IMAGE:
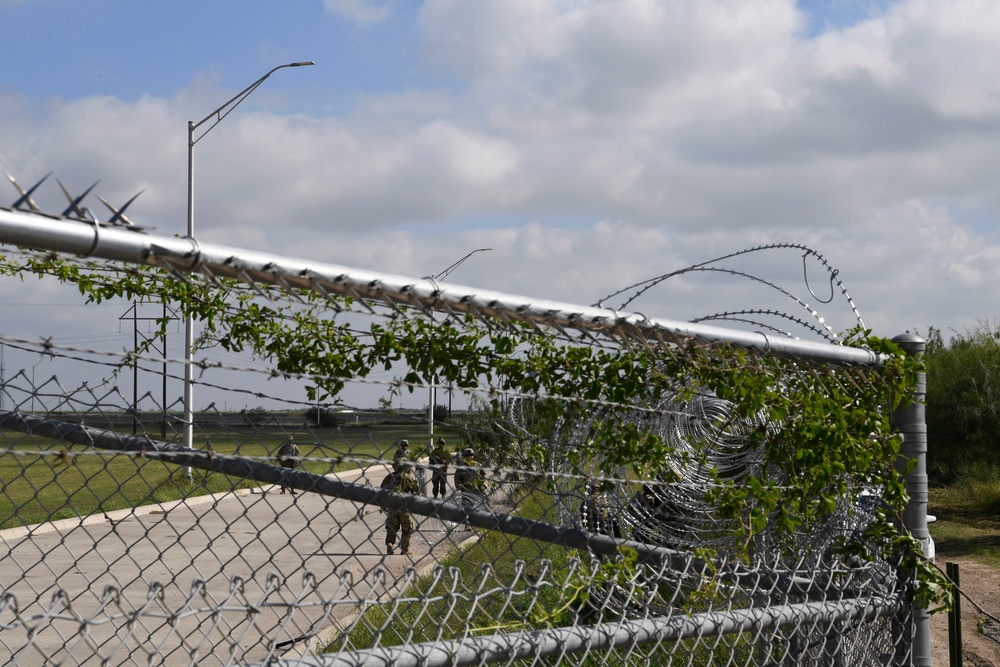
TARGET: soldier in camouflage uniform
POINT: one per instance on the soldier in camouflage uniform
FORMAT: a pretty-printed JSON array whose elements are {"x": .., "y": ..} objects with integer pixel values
[
  {"x": 288, "y": 458},
  {"x": 467, "y": 478},
  {"x": 403, "y": 452},
  {"x": 399, "y": 521},
  {"x": 439, "y": 468}
]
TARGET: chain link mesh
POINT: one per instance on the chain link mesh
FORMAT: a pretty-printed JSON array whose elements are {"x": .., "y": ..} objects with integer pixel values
[{"x": 123, "y": 547}]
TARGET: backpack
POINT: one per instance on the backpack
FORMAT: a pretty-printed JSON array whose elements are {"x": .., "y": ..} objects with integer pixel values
[
  {"x": 286, "y": 452},
  {"x": 391, "y": 481},
  {"x": 407, "y": 483}
]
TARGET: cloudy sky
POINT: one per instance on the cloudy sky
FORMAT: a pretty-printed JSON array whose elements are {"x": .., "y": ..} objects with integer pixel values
[{"x": 590, "y": 143}]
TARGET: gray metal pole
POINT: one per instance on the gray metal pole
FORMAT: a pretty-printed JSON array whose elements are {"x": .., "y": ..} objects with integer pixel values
[
  {"x": 70, "y": 236},
  {"x": 430, "y": 415},
  {"x": 163, "y": 404},
  {"x": 135, "y": 367},
  {"x": 188, "y": 319},
  {"x": 910, "y": 421}
]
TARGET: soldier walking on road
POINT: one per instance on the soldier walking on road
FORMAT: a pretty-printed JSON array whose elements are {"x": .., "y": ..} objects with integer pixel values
[
  {"x": 288, "y": 457},
  {"x": 397, "y": 520},
  {"x": 439, "y": 469}
]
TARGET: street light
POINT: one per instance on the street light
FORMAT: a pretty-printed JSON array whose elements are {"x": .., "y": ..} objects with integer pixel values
[
  {"x": 432, "y": 389},
  {"x": 33, "y": 389},
  {"x": 219, "y": 114},
  {"x": 447, "y": 272}
]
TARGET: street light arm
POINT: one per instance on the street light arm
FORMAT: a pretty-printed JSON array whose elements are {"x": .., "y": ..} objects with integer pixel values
[
  {"x": 447, "y": 272},
  {"x": 234, "y": 102}
]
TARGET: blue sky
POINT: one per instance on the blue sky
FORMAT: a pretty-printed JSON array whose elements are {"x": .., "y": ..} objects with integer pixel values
[
  {"x": 130, "y": 49},
  {"x": 67, "y": 48},
  {"x": 590, "y": 143}
]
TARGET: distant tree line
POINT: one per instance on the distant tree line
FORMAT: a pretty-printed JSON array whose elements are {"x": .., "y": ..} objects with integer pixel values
[{"x": 963, "y": 402}]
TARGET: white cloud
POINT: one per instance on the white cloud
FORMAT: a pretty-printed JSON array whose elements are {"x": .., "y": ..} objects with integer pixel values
[
  {"x": 360, "y": 11},
  {"x": 939, "y": 53},
  {"x": 646, "y": 64},
  {"x": 594, "y": 144}
]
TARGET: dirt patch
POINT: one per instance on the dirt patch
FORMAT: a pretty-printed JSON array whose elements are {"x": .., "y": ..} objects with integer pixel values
[{"x": 982, "y": 584}]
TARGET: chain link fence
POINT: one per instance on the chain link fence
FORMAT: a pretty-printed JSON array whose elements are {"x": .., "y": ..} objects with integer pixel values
[{"x": 597, "y": 520}]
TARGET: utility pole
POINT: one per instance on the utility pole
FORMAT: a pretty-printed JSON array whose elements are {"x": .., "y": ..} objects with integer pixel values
[
  {"x": 3, "y": 372},
  {"x": 134, "y": 310},
  {"x": 163, "y": 407}
]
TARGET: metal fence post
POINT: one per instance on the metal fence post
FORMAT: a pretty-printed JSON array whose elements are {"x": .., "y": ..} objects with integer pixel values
[
  {"x": 909, "y": 420},
  {"x": 955, "y": 619}
]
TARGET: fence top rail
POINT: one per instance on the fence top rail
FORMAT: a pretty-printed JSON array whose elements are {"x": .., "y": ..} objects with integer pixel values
[{"x": 88, "y": 239}]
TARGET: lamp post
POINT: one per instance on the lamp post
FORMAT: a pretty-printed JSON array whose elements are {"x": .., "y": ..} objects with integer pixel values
[
  {"x": 33, "y": 389},
  {"x": 432, "y": 389},
  {"x": 219, "y": 114},
  {"x": 447, "y": 272}
]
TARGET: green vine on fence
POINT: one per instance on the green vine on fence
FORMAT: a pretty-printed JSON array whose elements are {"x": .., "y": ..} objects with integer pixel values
[{"x": 823, "y": 429}]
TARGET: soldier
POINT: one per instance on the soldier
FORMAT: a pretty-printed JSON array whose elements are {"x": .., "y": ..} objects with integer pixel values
[
  {"x": 403, "y": 452},
  {"x": 467, "y": 478},
  {"x": 597, "y": 514},
  {"x": 399, "y": 521},
  {"x": 288, "y": 455},
  {"x": 439, "y": 468}
]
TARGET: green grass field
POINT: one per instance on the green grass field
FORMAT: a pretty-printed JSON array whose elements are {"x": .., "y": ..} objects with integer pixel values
[
  {"x": 531, "y": 569},
  {"x": 40, "y": 487},
  {"x": 968, "y": 523}
]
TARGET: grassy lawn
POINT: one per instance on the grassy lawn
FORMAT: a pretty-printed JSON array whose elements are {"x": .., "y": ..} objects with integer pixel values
[
  {"x": 420, "y": 622},
  {"x": 530, "y": 586},
  {"x": 967, "y": 523},
  {"x": 36, "y": 488}
]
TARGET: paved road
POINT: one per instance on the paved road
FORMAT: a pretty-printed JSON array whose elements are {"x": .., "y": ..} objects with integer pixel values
[{"x": 135, "y": 575}]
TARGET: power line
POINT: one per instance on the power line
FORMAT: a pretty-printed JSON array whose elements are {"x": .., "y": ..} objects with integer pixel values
[{"x": 59, "y": 305}]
